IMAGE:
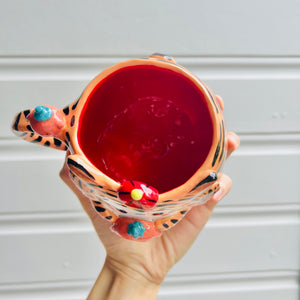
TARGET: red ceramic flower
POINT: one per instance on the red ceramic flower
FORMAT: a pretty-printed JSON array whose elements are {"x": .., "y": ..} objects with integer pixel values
[{"x": 138, "y": 194}]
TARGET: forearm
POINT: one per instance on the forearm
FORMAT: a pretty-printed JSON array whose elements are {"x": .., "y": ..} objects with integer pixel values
[{"x": 111, "y": 285}]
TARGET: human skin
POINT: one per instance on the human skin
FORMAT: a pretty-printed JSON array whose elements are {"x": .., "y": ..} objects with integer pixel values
[{"x": 135, "y": 270}]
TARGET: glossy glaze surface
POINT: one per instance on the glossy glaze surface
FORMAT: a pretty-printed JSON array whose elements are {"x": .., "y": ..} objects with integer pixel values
[{"x": 148, "y": 124}]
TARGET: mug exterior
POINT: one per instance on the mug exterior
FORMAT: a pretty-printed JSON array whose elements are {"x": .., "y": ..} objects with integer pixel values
[{"x": 60, "y": 129}]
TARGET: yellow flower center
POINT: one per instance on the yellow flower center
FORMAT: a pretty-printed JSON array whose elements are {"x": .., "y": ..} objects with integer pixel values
[{"x": 136, "y": 194}]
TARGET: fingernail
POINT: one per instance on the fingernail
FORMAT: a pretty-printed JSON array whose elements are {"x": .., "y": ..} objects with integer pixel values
[
  {"x": 218, "y": 195},
  {"x": 235, "y": 137}
]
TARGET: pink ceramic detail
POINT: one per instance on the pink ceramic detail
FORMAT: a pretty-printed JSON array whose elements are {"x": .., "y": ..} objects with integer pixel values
[{"x": 49, "y": 127}]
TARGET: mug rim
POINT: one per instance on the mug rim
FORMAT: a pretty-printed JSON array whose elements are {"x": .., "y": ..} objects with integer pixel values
[{"x": 214, "y": 110}]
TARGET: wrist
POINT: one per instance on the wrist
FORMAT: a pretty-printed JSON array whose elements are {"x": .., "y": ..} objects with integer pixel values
[{"x": 122, "y": 283}]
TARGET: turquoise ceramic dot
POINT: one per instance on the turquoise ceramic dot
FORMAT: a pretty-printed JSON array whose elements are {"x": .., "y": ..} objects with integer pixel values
[
  {"x": 136, "y": 229},
  {"x": 42, "y": 113}
]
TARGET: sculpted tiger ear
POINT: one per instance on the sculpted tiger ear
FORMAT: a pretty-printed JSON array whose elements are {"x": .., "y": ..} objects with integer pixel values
[
  {"x": 164, "y": 57},
  {"x": 42, "y": 125},
  {"x": 47, "y": 120}
]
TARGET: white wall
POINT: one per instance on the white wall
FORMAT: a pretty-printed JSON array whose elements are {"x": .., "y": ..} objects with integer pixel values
[{"x": 247, "y": 51}]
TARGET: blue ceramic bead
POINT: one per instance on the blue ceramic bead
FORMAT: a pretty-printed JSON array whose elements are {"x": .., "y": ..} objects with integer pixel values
[
  {"x": 136, "y": 229},
  {"x": 42, "y": 113}
]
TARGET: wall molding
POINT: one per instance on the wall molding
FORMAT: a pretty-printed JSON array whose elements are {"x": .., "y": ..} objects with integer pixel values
[
  {"x": 15, "y": 149},
  {"x": 200, "y": 284},
  {"x": 84, "y": 68},
  {"x": 269, "y": 144},
  {"x": 255, "y": 215},
  {"x": 45, "y": 222},
  {"x": 220, "y": 282}
]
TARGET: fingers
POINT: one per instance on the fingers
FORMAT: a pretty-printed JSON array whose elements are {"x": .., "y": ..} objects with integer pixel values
[
  {"x": 64, "y": 175},
  {"x": 85, "y": 201},
  {"x": 232, "y": 142},
  {"x": 190, "y": 226},
  {"x": 225, "y": 186},
  {"x": 232, "y": 139},
  {"x": 220, "y": 101}
]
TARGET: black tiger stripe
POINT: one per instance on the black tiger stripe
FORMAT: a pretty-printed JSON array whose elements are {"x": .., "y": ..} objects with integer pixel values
[
  {"x": 68, "y": 136},
  {"x": 165, "y": 225},
  {"x": 151, "y": 200},
  {"x": 218, "y": 148},
  {"x": 213, "y": 100},
  {"x": 183, "y": 212},
  {"x": 66, "y": 110},
  {"x": 72, "y": 121},
  {"x": 75, "y": 104},
  {"x": 124, "y": 193},
  {"x": 174, "y": 221},
  {"x": 26, "y": 112},
  {"x": 29, "y": 128},
  {"x": 37, "y": 140},
  {"x": 100, "y": 209},
  {"x": 80, "y": 167},
  {"x": 223, "y": 143},
  {"x": 112, "y": 195},
  {"x": 108, "y": 217},
  {"x": 210, "y": 178},
  {"x": 96, "y": 185},
  {"x": 57, "y": 142},
  {"x": 17, "y": 122},
  {"x": 47, "y": 143}
]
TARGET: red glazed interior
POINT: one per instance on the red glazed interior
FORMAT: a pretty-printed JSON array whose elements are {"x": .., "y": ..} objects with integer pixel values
[{"x": 146, "y": 123}]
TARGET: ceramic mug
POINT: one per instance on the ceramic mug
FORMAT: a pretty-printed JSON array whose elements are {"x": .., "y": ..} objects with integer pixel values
[{"x": 145, "y": 141}]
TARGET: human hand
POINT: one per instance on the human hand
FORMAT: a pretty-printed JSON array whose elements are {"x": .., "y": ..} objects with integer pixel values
[{"x": 133, "y": 265}]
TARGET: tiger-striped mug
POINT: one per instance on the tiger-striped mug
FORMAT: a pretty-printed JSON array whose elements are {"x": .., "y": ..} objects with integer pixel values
[{"x": 145, "y": 141}]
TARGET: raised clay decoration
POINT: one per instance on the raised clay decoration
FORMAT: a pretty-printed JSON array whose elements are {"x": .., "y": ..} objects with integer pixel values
[{"x": 145, "y": 141}]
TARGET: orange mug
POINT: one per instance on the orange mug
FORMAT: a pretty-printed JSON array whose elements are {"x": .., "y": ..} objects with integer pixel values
[{"x": 145, "y": 141}]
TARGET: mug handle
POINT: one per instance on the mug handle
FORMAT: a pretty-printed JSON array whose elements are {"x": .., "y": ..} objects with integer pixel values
[{"x": 42, "y": 125}]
